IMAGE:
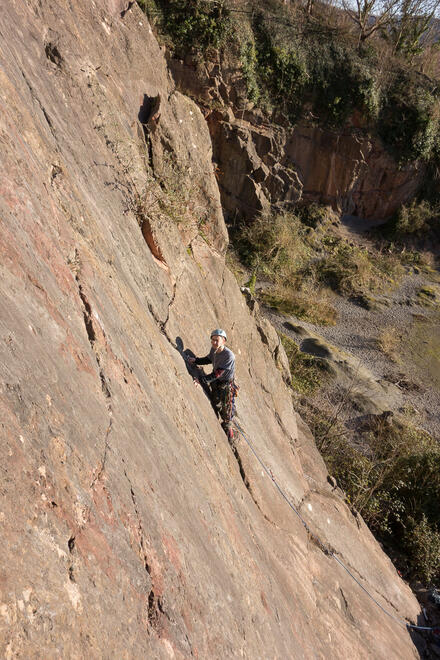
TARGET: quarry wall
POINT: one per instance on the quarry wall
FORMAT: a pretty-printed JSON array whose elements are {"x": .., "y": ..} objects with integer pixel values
[{"x": 129, "y": 528}]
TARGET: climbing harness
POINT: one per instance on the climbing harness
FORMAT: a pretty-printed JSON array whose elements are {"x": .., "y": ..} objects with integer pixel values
[
  {"x": 326, "y": 549},
  {"x": 234, "y": 390}
]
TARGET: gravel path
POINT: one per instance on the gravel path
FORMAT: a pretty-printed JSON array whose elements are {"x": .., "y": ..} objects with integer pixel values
[{"x": 357, "y": 331}]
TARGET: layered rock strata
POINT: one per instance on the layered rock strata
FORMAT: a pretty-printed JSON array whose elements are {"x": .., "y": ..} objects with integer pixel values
[
  {"x": 261, "y": 164},
  {"x": 129, "y": 528}
]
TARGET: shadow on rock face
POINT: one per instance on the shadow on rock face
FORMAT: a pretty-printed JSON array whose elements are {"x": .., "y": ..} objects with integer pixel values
[
  {"x": 149, "y": 108},
  {"x": 427, "y": 642},
  {"x": 196, "y": 372}
]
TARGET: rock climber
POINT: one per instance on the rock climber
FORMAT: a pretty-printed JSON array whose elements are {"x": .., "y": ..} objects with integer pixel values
[{"x": 221, "y": 380}]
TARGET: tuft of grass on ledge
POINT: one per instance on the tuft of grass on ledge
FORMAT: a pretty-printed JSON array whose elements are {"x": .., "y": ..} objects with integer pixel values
[{"x": 308, "y": 373}]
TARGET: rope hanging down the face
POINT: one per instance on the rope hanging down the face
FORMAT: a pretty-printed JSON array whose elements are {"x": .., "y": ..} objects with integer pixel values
[{"x": 318, "y": 541}]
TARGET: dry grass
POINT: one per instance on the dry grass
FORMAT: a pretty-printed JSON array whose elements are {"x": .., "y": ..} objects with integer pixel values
[
  {"x": 388, "y": 342},
  {"x": 310, "y": 303},
  {"x": 305, "y": 261}
]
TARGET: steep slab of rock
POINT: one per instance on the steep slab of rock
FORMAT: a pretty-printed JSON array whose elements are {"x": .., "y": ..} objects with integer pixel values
[{"x": 129, "y": 528}]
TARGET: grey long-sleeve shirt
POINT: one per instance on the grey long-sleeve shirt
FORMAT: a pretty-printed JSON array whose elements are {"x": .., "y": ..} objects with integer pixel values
[{"x": 223, "y": 365}]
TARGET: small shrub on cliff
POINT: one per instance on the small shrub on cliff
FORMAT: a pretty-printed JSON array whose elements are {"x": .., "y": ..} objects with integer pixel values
[
  {"x": 249, "y": 64},
  {"x": 276, "y": 245},
  {"x": 408, "y": 120},
  {"x": 351, "y": 270},
  {"x": 308, "y": 373},
  {"x": 198, "y": 24},
  {"x": 308, "y": 302},
  {"x": 278, "y": 249},
  {"x": 388, "y": 341},
  {"x": 315, "y": 216},
  {"x": 422, "y": 545},
  {"x": 415, "y": 218},
  {"x": 393, "y": 479}
]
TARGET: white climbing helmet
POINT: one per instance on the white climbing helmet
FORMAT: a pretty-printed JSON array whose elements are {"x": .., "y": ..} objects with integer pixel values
[{"x": 218, "y": 332}]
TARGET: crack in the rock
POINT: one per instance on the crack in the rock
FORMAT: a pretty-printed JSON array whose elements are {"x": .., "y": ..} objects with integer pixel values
[
  {"x": 41, "y": 106},
  {"x": 170, "y": 304},
  {"x": 71, "y": 575},
  {"x": 346, "y": 607},
  {"x": 223, "y": 282},
  {"x": 155, "y": 607},
  {"x": 245, "y": 479},
  {"x": 248, "y": 487},
  {"x": 163, "y": 325},
  {"x": 282, "y": 426},
  {"x": 87, "y": 315},
  {"x": 153, "y": 314},
  {"x": 99, "y": 474},
  {"x": 92, "y": 337},
  {"x": 362, "y": 577},
  {"x": 124, "y": 11}
]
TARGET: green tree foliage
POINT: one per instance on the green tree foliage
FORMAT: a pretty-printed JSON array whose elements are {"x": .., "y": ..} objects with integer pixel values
[
  {"x": 294, "y": 64},
  {"x": 415, "y": 218},
  {"x": 281, "y": 69},
  {"x": 198, "y": 24},
  {"x": 408, "y": 120},
  {"x": 340, "y": 82}
]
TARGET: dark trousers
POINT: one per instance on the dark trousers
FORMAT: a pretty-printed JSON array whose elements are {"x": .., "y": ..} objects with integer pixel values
[{"x": 222, "y": 401}]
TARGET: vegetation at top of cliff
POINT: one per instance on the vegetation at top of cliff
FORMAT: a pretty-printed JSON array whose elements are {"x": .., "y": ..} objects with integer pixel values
[
  {"x": 200, "y": 24},
  {"x": 408, "y": 120},
  {"x": 322, "y": 62},
  {"x": 314, "y": 66},
  {"x": 309, "y": 66}
]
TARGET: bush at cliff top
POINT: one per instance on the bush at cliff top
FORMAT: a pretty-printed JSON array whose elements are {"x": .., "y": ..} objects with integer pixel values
[
  {"x": 198, "y": 24},
  {"x": 285, "y": 70},
  {"x": 280, "y": 69},
  {"x": 340, "y": 82}
]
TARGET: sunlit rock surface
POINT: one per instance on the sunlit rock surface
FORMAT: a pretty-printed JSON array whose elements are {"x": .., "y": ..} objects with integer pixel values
[{"x": 129, "y": 529}]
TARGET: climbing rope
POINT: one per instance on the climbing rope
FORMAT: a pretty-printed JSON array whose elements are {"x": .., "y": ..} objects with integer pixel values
[{"x": 328, "y": 551}]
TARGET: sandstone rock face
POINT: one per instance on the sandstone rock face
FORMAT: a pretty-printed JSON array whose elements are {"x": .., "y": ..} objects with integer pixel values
[
  {"x": 350, "y": 172},
  {"x": 129, "y": 528},
  {"x": 261, "y": 164}
]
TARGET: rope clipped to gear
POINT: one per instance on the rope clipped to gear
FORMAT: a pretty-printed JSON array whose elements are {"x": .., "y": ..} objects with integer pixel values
[{"x": 325, "y": 548}]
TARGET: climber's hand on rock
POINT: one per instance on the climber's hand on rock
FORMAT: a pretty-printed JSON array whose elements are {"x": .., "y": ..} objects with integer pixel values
[
  {"x": 191, "y": 360},
  {"x": 196, "y": 382}
]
